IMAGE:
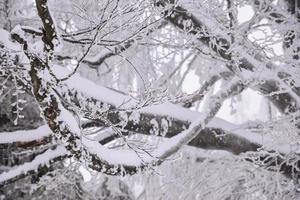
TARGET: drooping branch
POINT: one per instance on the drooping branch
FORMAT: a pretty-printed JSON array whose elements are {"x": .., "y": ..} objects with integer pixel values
[
  {"x": 159, "y": 116},
  {"x": 180, "y": 139},
  {"x": 208, "y": 138}
]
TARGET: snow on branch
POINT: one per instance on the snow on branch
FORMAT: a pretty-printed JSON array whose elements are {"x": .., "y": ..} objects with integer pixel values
[
  {"x": 25, "y": 135},
  {"x": 176, "y": 142},
  {"x": 218, "y": 134},
  {"x": 206, "y": 30},
  {"x": 111, "y": 161},
  {"x": 63, "y": 124},
  {"x": 228, "y": 136},
  {"x": 38, "y": 161}
]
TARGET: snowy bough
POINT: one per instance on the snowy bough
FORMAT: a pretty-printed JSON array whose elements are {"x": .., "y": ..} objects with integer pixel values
[{"x": 152, "y": 94}]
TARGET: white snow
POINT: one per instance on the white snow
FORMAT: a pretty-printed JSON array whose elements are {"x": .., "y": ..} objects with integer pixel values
[
  {"x": 112, "y": 156},
  {"x": 34, "y": 164},
  {"x": 245, "y": 13},
  {"x": 90, "y": 88},
  {"x": 5, "y": 39},
  {"x": 25, "y": 135}
]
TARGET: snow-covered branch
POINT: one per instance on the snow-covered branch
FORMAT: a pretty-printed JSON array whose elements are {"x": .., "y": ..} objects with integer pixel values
[
  {"x": 39, "y": 161},
  {"x": 202, "y": 29},
  {"x": 25, "y": 135}
]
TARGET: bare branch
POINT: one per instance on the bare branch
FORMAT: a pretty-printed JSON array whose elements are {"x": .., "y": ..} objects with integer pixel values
[{"x": 49, "y": 33}]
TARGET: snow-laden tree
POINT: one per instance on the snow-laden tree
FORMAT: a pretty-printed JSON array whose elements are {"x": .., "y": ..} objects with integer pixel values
[{"x": 150, "y": 98}]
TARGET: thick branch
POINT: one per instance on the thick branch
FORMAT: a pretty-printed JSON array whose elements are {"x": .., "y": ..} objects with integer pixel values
[
  {"x": 49, "y": 33},
  {"x": 218, "y": 139}
]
